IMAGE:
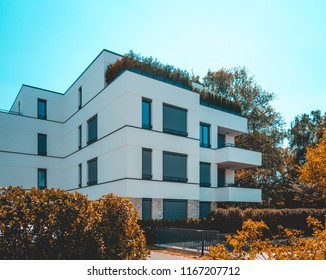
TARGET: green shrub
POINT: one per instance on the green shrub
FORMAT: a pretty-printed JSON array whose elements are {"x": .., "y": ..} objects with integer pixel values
[
  {"x": 229, "y": 220},
  {"x": 55, "y": 224}
]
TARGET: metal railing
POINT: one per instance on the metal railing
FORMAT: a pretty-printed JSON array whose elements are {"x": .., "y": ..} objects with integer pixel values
[
  {"x": 237, "y": 185},
  {"x": 10, "y": 112},
  {"x": 192, "y": 239}
]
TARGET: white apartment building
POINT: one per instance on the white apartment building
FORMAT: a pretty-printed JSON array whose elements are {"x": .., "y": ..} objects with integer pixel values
[{"x": 138, "y": 137}]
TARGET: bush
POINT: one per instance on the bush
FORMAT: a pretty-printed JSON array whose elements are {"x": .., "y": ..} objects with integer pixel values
[
  {"x": 116, "y": 229},
  {"x": 231, "y": 219},
  {"x": 55, "y": 224},
  {"x": 249, "y": 243}
]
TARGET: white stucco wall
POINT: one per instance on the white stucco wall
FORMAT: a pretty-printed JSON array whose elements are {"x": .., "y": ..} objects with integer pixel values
[{"x": 120, "y": 139}]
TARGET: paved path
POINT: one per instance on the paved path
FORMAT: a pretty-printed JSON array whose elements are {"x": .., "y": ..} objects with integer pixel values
[{"x": 163, "y": 256}]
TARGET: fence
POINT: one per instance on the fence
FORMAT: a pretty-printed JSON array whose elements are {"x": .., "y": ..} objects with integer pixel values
[{"x": 193, "y": 239}]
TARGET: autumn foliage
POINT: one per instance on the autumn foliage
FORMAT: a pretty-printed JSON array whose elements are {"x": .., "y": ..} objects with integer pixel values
[
  {"x": 313, "y": 171},
  {"x": 249, "y": 243},
  {"x": 55, "y": 224}
]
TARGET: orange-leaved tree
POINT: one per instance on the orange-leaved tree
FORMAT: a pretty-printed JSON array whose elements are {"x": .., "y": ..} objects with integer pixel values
[{"x": 313, "y": 172}]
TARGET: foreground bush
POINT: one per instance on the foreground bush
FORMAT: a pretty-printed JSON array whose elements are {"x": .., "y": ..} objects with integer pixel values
[
  {"x": 116, "y": 228},
  {"x": 249, "y": 244},
  {"x": 55, "y": 224}
]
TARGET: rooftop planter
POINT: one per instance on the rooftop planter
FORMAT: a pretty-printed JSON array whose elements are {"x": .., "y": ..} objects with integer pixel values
[
  {"x": 152, "y": 68},
  {"x": 149, "y": 67},
  {"x": 218, "y": 102}
]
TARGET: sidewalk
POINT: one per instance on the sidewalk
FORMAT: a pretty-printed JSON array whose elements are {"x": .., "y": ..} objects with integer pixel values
[{"x": 164, "y": 256}]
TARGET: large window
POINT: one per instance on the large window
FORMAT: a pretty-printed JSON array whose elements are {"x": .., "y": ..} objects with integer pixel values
[
  {"x": 146, "y": 163},
  {"x": 80, "y": 176},
  {"x": 41, "y": 179},
  {"x": 146, "y": 113},
  {"x": 174, "y": 120},
  {"x": 41, "y": 109},
  {"x": 92, "y": 130},
  {"x": 174, "y": 209},
  {"x": 174, "y": 167},
  {"x": 41, "y": 144},
  {"x": 221, "y": 141},
  {"x": 146, "y": 208},
  {"x": 204, "y": 209},
  {"x": 80, "y": 97},
  {"x": 80, "y": 143},
  {"x": 221, "y": 177},
  {"x": 92, "y": 171},
  {"x": 204, "y": 135},
  {"x": 205, "y": 174}
]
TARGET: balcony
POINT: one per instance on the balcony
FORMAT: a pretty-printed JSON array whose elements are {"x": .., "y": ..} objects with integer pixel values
[
  {"x": 232, "y": 157},
  {"x": 235, "y": 193}
]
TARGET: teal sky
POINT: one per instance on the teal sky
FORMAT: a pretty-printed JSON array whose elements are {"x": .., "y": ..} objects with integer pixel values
[{"x": 282, "y": 43}]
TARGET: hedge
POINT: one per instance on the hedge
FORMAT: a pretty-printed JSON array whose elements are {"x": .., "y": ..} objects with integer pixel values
[
  {"x": 55, "y": 224},
  {"x": 230, "y": 220}
]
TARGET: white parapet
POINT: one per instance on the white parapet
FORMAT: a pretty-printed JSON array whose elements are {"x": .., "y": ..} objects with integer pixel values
[{"x": 236, "y": 158}]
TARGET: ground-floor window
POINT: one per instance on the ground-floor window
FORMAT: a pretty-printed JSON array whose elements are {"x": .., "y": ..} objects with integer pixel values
[
  {"x": 146, "y": 208},
  {"x": 174, "y": 209},
  {"x": 41, "y": 178},
  {"x": 204, "y": 209}
]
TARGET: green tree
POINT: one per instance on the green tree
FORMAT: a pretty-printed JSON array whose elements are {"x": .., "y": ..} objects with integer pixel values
[
  {"x": 265, "y": 127},
  {"x": 305, "y": 130}
]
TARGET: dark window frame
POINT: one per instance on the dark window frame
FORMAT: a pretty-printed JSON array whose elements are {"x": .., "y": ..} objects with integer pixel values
[
  {"x": 40, "y": 150},
  {"x": 80, "y": 139},
  {"x": 205, "y": 184},
  {"x": 202, "y": 206},
  {"x": 165, "y": 211},
  {"x": 175, "y": 179},
  {"x": 150, "y": 208},
  {"x": 147, "y": 176},
  {"x": 39, "y": 116},
  {"x": 90, "y": 141},
  {"x": 221, "y": 141},
  {"x": 201, "y": 131},
  {"x": 80, "y": 175},
  {"x": 171, "y": 131},
  {"x": 94, "y": 182},
  {"x": 44, "y": 171},
  {"x": 221, "y": 182},
  {"x": 149, "y": 102},
  {"x": 80, "y": 97}
]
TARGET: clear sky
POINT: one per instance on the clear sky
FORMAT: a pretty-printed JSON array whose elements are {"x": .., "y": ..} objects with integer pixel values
[{"x": 282, "y": 43}]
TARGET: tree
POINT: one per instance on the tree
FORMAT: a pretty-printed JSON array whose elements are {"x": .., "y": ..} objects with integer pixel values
[
  {"x": 305, "y": 130},
  {"x": 265, "y": 126},
  {"x": 313, "y": 172}
]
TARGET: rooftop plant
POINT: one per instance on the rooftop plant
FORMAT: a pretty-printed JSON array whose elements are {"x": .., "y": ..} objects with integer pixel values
[
  {"x": 148, "y": 65},
  {"x": 168, "y": 73},
  {"x": 218, "y": 102}
]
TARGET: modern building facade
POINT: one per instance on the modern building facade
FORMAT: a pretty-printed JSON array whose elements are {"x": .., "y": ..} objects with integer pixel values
[{"x": 139, "y": 137}]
